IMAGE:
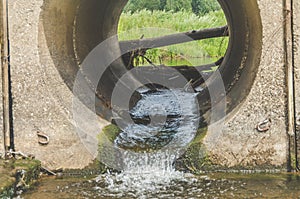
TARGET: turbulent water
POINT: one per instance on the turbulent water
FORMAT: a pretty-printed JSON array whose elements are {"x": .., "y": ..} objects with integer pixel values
[
  {"x": 166, "y": 121},
  {"x": 185, "y": 186},
  {"x": 165, "y": 125},
  {"x": 162, "y": 118}
]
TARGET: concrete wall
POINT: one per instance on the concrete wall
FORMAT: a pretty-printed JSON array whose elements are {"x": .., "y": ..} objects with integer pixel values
[
  {"x": 43, "y": 102},
  {"x": 240, "y": 143},
  {"x": 296, "y": 32},
  {"x": 1, "y": 118},
  {"x": 1, "y": 108}
]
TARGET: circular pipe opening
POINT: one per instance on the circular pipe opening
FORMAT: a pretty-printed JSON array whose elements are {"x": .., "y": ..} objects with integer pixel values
[{"x": 74, "y": 28}]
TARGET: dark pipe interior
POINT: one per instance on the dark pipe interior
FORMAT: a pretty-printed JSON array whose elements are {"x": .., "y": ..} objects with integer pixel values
[{"x": 74, "y": 27}]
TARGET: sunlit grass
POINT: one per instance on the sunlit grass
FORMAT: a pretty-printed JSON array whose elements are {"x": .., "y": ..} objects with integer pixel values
[{"x": 149, "y": 24}]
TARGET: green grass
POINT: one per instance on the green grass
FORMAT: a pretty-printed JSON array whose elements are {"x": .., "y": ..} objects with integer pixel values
[{"x": 158, "y": 23}]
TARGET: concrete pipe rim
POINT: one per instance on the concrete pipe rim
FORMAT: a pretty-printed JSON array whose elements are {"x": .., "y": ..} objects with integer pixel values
[{"x": 73, "y": 28}]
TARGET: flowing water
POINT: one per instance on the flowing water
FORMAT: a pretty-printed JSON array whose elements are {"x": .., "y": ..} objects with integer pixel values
[
  {"x": 165, "y": 123},
  {"x": 218, "y": 185},
  {"x": 163, "y": 119}
]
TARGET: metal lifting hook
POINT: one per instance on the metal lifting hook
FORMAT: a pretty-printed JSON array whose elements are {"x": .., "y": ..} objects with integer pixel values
[
  {"x": 43, "y": 138},
  {"x": 264, "y": 125}
]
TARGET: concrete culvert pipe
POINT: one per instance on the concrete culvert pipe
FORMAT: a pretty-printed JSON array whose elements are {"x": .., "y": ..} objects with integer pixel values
[{"x": 73, "y": 28}]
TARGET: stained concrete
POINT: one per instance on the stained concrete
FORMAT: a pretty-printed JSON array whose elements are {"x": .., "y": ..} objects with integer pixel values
[
  {"x": 240, "y": 144},
  {"x": 43, "y": 102},
  {"x": 1, "y": 115},
  {"x": 296, "y": 35},
  {"x": 1, "y": 118}
]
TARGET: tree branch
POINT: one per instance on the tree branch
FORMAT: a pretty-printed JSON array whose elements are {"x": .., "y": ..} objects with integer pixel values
[{"x": 144, "y": 44}]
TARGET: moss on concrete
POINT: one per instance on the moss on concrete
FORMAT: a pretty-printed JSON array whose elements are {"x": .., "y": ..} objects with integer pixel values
[
  {"x": 108, "y": 134},
  {"x": 110, "y": 131},
  {"x": 195, "y": 159},
  {"x": 6, "y": 185},
  {"x": 93, "y": 169},
  {"x": 16, "y": 175},
  {"x": 105, "y": 140}
]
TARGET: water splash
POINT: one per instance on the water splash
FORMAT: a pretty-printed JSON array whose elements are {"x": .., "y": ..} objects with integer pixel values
[
  {"x": 147, "y": 174},
  {"x": 167, "y": 122}
]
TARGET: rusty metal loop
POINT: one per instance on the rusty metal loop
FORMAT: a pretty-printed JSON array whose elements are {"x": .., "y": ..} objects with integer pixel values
[
  {"x": 43, "y": 138},
  {"x": 264, "y": 125}
]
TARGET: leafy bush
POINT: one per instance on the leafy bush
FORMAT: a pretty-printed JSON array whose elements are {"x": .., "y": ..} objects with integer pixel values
[
  {"x": 202, "y": 7},
  {"x": 179, "y": 5},
  {"x": 199, "y": 7},
  {"x": 137, "y": 5}
]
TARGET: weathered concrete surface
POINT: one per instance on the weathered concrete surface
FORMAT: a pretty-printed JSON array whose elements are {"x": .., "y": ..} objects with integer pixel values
[
  {"x": 1, "y": 118},
  {"x": 43, "y": 102},
  {"x": 240, "y": 144},
  {"x": 296, "y": 34},
  {"x": 1, "y": 111},
  {"x": 41, "y": 99}
]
